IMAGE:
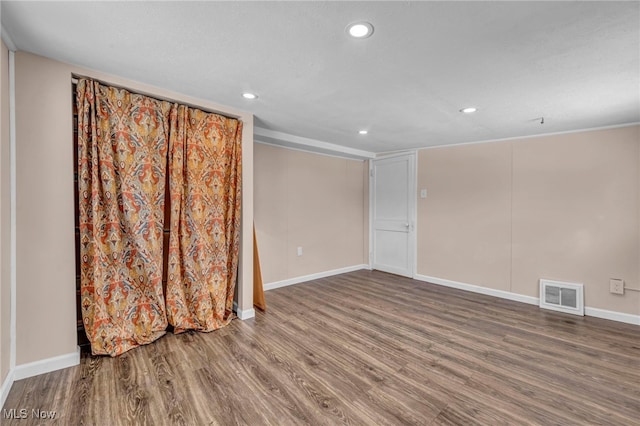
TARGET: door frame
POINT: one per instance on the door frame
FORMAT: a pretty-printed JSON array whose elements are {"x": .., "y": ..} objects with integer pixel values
[{"x": 413, "y": 207}]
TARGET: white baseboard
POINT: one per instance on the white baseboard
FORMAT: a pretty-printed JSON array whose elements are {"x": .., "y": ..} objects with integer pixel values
[
  {"x": 478, "y": 289},
  {"x": 592, "y": 312},
  {"x": 243, "y": 315},
  {"x": 47, "y": 365},
  {"x": 612, "y": 315},
  {"x": 246, "y": 314},
  {"x": 305, "y": 278},
  {"x": 6, "y": 387}
]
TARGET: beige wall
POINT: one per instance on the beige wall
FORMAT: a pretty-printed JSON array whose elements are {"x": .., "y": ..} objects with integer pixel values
[
  {"x": 464, "y": 229},
  {"x": 5, "y": 217},
  {"x": 45, "y": 271},
  {"x": 576, "y": 214},
  {"x": 503, "y": 215},
  {"x": 46, "y": 312},
  {"x": 365, "y": 210},
  {"x": 311, "y": 201}
]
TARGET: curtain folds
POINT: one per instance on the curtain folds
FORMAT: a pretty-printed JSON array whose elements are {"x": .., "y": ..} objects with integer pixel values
[
  {"x": 128, "y": 145},
  {"x": 122, "y": 144},
  {"x": 205, "y": 170}
]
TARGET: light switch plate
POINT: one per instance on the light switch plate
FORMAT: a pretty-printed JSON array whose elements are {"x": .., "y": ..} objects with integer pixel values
[{"x": 423, "y": 193}]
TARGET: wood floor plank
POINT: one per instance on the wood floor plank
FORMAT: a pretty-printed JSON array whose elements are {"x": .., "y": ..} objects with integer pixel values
[
  {"x": 361, "y": 348},
  {"x": 604, "y": 363},
  {"x": 166, "y": 368}
]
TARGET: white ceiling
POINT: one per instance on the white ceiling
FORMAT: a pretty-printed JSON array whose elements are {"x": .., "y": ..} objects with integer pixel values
[{"x": 575, "y": 63}]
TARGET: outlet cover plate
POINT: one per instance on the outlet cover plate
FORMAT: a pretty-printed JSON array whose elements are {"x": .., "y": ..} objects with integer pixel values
[{"x": 616, "y": 286}]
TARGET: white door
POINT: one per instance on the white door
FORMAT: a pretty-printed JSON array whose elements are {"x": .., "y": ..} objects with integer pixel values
[{"x": 393, "y": 183}]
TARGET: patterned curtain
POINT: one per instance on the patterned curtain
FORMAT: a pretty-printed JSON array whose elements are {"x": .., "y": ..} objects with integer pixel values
[
  {"x": 123, "y": 140},
  {"x": 204, "y": 176}
]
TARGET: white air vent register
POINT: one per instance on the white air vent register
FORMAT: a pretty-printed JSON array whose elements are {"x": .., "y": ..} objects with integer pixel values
[{"x": 561, "y": 296}]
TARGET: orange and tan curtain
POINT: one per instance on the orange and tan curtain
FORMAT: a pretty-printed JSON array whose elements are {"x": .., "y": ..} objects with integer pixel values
[
  {"x": 122, "y": 144},
  {"x": 127, "y": 145},
  {"x": 205, "y": 171}
]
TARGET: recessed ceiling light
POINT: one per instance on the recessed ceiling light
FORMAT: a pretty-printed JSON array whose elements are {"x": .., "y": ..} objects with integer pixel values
[
  {"x": 248, "y": 95},
  {"x": 468, "y": 110},
  {"x": 360, "y": 29},
  {"x": 363, "y": 132}
]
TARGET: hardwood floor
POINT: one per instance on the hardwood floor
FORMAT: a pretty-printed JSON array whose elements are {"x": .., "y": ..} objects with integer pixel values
[{"x": 364, "y": 348}]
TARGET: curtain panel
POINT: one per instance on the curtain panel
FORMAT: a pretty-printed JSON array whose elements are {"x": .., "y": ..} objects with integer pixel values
[
  {"x": 122, "y": 144},
  {"x": 205, "y": 170},
  {"x": 129, "y": 145}
]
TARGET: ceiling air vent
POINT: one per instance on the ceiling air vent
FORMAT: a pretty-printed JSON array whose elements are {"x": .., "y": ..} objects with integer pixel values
[{"x": 561, "y": 296}]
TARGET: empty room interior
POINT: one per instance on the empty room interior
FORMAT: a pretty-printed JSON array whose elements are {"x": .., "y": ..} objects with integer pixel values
[{"x": 324, "y": 212}]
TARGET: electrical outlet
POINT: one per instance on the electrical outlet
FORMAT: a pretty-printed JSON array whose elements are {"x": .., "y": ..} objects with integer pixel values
[
  {"x": 299, "y": 251},
  {"x": 616, "y": 286}
]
